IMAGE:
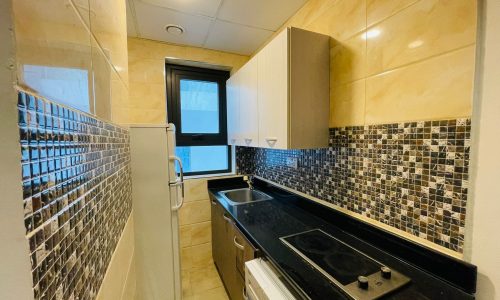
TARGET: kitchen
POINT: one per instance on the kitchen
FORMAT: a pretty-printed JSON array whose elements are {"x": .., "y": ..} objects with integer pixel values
[{"x": 228, "y": 149}]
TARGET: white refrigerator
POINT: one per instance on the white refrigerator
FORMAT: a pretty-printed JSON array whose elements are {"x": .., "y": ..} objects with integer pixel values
[{"x": 157, "y": 195}]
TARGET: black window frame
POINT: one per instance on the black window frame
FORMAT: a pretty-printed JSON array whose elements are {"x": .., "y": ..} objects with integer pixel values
[{"x": 174, "y": 73}]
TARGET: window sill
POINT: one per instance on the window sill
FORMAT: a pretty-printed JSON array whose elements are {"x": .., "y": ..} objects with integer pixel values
[{"x": 219, "y": 175}]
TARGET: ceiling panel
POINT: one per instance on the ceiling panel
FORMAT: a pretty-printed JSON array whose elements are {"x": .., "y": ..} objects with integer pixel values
[
  {"x": 239, "y": 26},
  {"x": 151, "y": 21},
  {"x": 202, "y": 7},
  {"x": 236, "y": 38},
  {"x": 266, "y": 14}
]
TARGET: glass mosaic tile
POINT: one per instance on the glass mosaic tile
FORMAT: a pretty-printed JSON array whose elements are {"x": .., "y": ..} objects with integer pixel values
[
  {"x": 412, "y": 176},
  {"x": 77, "y": 196}
]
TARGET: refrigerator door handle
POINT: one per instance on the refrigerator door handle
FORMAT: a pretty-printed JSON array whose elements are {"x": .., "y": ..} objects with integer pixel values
[{"x": 178, "y": 181}]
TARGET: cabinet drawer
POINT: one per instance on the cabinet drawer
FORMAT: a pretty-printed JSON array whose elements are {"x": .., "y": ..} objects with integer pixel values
[{"x": 245, "y": 251}]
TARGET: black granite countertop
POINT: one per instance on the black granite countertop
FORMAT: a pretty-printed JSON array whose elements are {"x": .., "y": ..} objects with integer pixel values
[{"x": 433, "y": 275}]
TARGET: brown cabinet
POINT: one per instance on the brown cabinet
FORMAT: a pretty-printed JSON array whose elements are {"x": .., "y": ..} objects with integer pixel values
[{"x": 230, "y": 251}]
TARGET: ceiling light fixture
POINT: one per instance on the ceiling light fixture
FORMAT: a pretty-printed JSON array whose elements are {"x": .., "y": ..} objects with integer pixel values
[{"x": 174, "y": 29}]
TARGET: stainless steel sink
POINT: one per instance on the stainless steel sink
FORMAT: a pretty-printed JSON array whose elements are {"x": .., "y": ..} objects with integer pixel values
[{"x": 246, "y": 195}]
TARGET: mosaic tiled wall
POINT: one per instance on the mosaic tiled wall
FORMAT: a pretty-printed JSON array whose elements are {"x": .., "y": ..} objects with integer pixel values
[
  {"x": 412, "y": 176},
  {"x": 77, "y": 196}
]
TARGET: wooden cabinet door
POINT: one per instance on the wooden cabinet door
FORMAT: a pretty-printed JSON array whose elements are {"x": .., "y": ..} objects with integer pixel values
[
  {"x": 249, "y": 122},
  {"x": 229, "y": 275},
  {"x": 245, "y": 251},
  {"x": 230, "y": 251},
  {"x": 273, "y": 93},
  {"x": 217, "y": 237},
  {"x": 233, "y": 110}
]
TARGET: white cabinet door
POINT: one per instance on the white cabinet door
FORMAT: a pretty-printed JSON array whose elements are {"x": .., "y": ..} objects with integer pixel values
[
  {"x": 249, "y": 119},
  {"x": 233, "y": 110},
  {"x": 273, "y": 93}
]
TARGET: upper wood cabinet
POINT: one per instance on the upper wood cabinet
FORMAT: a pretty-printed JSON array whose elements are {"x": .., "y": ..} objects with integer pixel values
[
  {"x": 233, "y": 110},
  {"x": 249, "y": 112},
  {"x": 284, "y": 89},
  {"x": 242, "y": 106}
]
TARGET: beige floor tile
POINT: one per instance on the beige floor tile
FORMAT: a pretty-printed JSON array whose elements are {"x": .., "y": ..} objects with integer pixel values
[
  {"x": 204, "y": 279},
  {"x": 196, "y": 234},
  {"x": 196, "y": 257},
  {"x": 186, "y": 284},
  {"x": 213, "y": 294}
]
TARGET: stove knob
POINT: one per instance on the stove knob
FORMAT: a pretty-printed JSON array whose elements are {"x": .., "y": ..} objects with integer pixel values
[
  {"x": 385, "y": 272},
  {"x": 363, "y": 282}
]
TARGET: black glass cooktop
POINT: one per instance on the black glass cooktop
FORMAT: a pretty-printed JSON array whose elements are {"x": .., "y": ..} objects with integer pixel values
[{"x": 340, "y": 261}]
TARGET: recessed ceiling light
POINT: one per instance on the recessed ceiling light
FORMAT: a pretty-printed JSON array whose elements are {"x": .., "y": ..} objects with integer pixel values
[{"x": 174, "y": 29}]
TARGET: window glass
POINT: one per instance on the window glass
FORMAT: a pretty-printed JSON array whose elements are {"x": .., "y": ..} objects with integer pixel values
[
  {"x": 199, "y": 106},
  {"x": 196, "y": 104},
  {"x": 196, "y": 159}
]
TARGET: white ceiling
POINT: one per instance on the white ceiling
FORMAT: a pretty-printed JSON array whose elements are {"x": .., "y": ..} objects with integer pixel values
[{"x": 238, "y": 26}]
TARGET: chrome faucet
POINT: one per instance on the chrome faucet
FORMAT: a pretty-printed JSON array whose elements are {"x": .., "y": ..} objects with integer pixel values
[{"x": 249, "y": 181}]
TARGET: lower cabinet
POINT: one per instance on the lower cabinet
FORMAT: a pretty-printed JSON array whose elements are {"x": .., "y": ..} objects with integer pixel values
[{"x": 230, "y": 251}]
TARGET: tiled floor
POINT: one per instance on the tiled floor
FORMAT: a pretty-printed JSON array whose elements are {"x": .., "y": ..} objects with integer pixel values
[
  {"x": 203, "y": 283},
  {"x": 200, "y": 279}
]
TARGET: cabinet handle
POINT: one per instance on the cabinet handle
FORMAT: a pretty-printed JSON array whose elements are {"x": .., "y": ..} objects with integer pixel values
[
  {"x": 213, "y": 202},
  {"x": 248, "y": 141},
  {"x": 245, "y": 297},
  {"x": 238, "y": 245},
  {"x": 233, "y": 141},
  {"x": 178, "y": 181},
  {"x": 227, "y": 218},
  {"x": 271, "y": 139}
]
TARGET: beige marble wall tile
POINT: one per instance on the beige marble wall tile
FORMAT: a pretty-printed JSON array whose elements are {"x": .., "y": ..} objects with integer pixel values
[
  {"x": 196, "y": 189},
  {"x": 378, "y": 10},
  {"x": 102, "y": 76},
  {"x": 347, "y": 104},
  {"x": 108, "y": 22},
  {"x": 146, "y": 70},
  {"x": 309, "y": 12},
  {"x": 147, "y": 49},
  {"x": 341, "y": 20},
  {"x": 129, "y": 289},
  {"x": 425, "y": 29},
  {"x": 147, "y": 102},
  {"x": 437, "y": 88},
  {"x": 52, "y": 45},
  {"x": 401, "y": 32},
  {"x": 195, "y": 212},
  {"x": 146, "y": 116},
  {"x": 56, "y": 36},
  {"x": 120, "y": 266},
  {"x": 145, "y": 96},
  {"x": 120, "y": 114},
  {"x": 347, "y": 60}
]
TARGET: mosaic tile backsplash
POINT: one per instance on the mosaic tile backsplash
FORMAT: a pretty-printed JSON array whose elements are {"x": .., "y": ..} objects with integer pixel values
[
  {"x": 77, "y": 196},
  {"x": 411, "y": 176}
]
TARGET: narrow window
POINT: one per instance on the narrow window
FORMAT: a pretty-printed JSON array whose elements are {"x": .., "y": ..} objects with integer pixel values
[{"x": 196, "y": 104}]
